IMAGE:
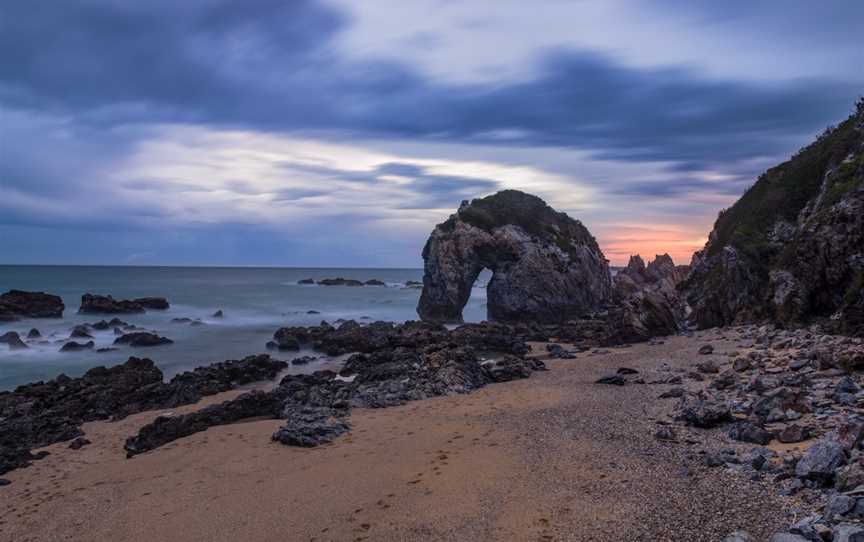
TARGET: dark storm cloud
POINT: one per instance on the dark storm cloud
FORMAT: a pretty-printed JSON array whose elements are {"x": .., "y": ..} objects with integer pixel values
[{"x": 268, "y": 64}]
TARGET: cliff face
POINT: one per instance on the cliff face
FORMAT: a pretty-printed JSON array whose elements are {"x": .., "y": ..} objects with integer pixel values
[
  {"x": 546, "y": 267},
  {"x": 792, "y": 248}
]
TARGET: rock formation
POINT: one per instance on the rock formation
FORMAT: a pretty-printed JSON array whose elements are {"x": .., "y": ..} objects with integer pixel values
[
  {"x": 792, "y": 248},
  {"x": 42, "y": 413},
  {"x": 646, "y": 301},
  {"x": 16, "y": 304},
  {"x": 105, "y": 304},
  {"x": 545, "y": 266}
]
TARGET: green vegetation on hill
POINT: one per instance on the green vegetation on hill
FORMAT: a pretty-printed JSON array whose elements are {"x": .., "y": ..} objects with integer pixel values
[
  {"x": 783, "y": 191},
  {"x": 528, "y": 212}
]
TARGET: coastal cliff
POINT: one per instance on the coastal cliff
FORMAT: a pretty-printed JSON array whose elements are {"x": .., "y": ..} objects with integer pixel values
[{"x": 791, "y": 250}]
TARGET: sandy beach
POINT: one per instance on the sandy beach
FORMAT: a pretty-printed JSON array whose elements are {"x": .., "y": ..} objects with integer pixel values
[{"x": 552, "y": 457}]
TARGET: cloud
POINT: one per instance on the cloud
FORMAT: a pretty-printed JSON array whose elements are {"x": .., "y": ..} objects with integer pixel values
[{"x": 255, "y": 118}]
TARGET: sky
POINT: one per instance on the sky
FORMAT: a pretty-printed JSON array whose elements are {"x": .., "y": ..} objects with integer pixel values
[{"x": 337, "y": 133}]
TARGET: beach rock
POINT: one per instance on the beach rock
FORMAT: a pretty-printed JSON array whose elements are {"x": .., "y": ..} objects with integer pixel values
[
  {"x": 13, "y": 340},
  {"x": 142, "y": 338},
  {"x": 311, "y": 426},
  {"x": 16, "y": 304},
  {"x": 615, "y": 380},
  {"x": 73, "y": 346},
  {"x": 738, "y": 536},
  {"x": 306, "y": 281},
  {"x": 557, "y": 351},
  {"x": 165, "y": 429},
  {"x": 303, "y": 360},
  {"x": 750, "y": 432},
  {"x": 848, "y": 532},
  {"x": 34, "y": 334},
  {"x": 704, "y": 412},
  {"x": 4, "y": 482},
  {"x": 218, "y": 314},
  {"x": 105, "y": 304},
  {"x": 793, "y": 433},
  {"x": 546, "y": 267},
  {"x": 706, "y": 349},
  {"x": 374, "y": 282},
  {"x": 79, "y": 443},
  {"x": 511, "y": 367},
  {"x": 820, "y": 461},
  {"x": 787, "y": 537}
]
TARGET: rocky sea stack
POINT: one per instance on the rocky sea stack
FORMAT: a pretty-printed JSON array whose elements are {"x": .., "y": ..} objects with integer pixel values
[
  {"x": 16, "y": 304},
  {"x": 791, "y": 249},
  {"x": 546, "y": 266}
]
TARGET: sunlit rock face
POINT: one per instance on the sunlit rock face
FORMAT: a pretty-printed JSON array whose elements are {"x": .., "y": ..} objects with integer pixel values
[
  {"x": 546, "y": 266},
  {"x": 791, "y": 250}
]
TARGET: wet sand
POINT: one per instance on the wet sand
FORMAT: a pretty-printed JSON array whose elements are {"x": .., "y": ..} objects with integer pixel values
[{"x": 553, "y": 457}]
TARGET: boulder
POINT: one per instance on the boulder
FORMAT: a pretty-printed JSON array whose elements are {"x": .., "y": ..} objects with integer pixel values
[
  {"x": 73, "y": 346},
  {"x": 546, "y": 267},
  {"x": 34, "y": 334},
  {"x": 750, "y": 432},
  {"x": 142, "y": 338},
  {"x": 848, "y": 532},
  {"x": 821, "y": 461},
  {"x": 704, "y": 412},
  {"x": 374, "y": 282},
  {"x": 339, "y": 281},
  {"x": 16, "y": 304},
  {"x": 13, "y": 340},
  {"x": 738, "y": 536},
  {"x": 311, "y": 426}
]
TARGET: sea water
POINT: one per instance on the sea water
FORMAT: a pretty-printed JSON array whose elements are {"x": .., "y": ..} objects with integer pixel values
[{"x": 255, "y": 303}]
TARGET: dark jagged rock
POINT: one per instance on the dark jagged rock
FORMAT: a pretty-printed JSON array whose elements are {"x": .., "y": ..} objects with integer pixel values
[
  {"x": 105, "y": 304},
  {"x": 43, "y": 413},
  {"x": 142, "y": 338},
  {"x": 73, "y": 346},
  {"x": 646, "y": 300},
  {"x": 165, "y": 429},
  {"x": 820, "y": 462},
  {"x": 375, "y": 282},
  {"x": 34, "y": 334},
  {"x": 750, "y": 432},
  {"x": 157, "y": 303},
  {"x": 339, "y": 281},
  {"x": 13, "y": 340},
  {"x": 79, "y": 443},
  {"x": 704, "y": 412},
  {"x": 218, "y": 314},
  {"x": 395, "y": 364},
  {"x": 306, "y": 281},
  {"x": 545, "y": 266},
  {"x": 311, "y": 426},
  {"x": 81, "y": 332},
  {"x": 790, "y": 249},
  {"x": 16, "y": 304}
]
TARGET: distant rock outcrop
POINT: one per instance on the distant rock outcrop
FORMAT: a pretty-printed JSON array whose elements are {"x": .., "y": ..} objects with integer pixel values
[
  {"x": 105, "y": 304},
  {"x": 545, "y": 265},
  {"x": 16, "y": 304},
  {"x": 646, "y": 300},
  {"x": 791, "y": 249}
]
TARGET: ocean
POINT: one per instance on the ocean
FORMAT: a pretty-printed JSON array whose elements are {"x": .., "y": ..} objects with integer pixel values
[{"x": 255, "y": 302}]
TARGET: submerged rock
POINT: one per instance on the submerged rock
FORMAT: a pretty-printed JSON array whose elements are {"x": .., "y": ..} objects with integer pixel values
[
  {"x": 73, "y": 346},
  {"x": 142, "y": 338},
  {"x": 13, "y": 340},
  {"x": 546, "y": 267}
]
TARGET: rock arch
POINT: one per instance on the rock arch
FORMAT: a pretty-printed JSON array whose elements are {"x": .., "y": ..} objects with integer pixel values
[{"x": 546, "y": 266}]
